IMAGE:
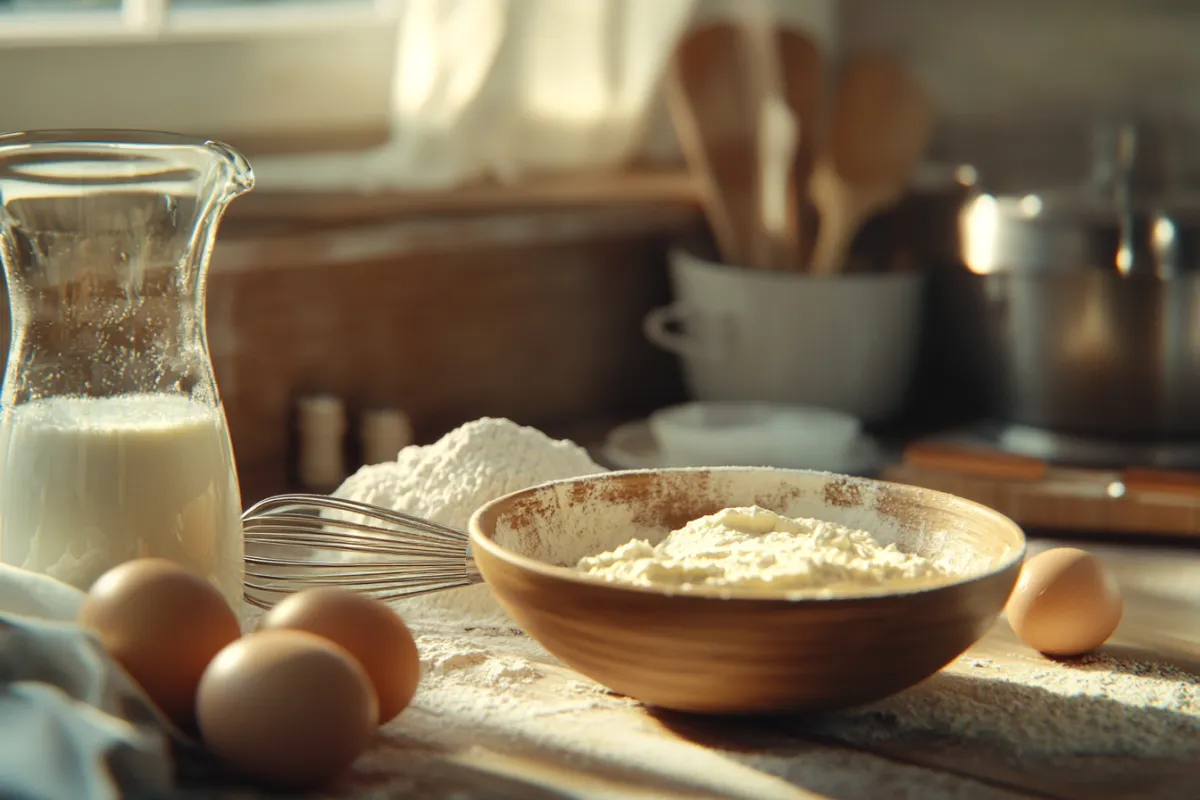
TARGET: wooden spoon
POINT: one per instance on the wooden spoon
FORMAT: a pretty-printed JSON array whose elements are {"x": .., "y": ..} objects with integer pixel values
[
  {"x": 881, "y": 125},
  {"x": 801, "y": 73},
  {"x": 712, "y": 101},
  {"x": 777, "y": 140}
]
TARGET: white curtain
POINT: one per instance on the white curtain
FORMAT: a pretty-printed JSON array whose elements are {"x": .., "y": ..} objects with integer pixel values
[{"x": 505, "y": 88}]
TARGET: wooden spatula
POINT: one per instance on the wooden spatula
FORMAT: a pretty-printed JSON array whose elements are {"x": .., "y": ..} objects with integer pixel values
[
  {"x": 713, "y": 104},
  {"x": 881, "y": 125}
]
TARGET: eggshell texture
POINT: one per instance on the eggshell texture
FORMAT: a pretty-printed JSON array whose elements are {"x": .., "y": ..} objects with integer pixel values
[
  {"x": 287, "y": 708},
  {"x": 368, "y": 629},
  {"x": 163, "y": 624},
  {"x": 1065, "y": 603}
]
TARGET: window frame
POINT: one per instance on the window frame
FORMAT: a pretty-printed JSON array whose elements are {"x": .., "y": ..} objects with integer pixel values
[
  {"x": 317, "y": 71},
  {"x": 139, "y": 20}
]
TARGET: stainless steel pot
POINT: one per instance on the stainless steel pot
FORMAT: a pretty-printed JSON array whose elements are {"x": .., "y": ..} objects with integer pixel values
[{"x": 1084, "y": 311}]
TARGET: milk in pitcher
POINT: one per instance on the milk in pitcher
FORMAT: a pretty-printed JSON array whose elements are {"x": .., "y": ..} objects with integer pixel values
[{"x": 88, "y": 483}]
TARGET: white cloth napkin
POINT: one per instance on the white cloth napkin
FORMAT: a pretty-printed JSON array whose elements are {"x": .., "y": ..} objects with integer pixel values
[{"x": 73, "y": 726}]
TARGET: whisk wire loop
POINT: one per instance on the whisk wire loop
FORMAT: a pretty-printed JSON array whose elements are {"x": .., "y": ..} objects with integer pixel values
[{"x": 299, "y": 541}]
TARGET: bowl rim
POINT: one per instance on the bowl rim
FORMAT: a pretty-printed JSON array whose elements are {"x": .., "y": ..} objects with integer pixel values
[
  {"x": 685, "y": 258},
  {"x": 480, "y": 540},
  {"x": 672, "y": 413}
]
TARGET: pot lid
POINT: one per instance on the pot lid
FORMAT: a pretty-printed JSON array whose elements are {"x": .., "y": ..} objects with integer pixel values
[
  {"x": 1119, "y": 183},
  {"x": 1085, "y": 205},
  {"x": 1117, "y": 221}
]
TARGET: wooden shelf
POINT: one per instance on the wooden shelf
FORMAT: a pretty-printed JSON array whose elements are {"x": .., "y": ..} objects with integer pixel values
[{"x": 643, "y": 188}]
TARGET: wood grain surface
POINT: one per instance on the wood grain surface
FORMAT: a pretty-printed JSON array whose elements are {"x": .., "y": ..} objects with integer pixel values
[
  {"x": 620, "y": 749},
  {"x": 780, "y": 757}
]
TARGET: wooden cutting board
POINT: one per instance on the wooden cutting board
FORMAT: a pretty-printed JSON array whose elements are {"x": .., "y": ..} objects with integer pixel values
[{"x": 1041, "y": 496}]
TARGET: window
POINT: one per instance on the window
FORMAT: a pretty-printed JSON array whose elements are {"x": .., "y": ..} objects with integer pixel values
[
  {"x": 470, "y": 89},
  {"x": 236, "y": 69}
]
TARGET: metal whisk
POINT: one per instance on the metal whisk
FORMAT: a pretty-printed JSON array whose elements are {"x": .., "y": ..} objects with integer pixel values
[{"x": 299, "y": 541}]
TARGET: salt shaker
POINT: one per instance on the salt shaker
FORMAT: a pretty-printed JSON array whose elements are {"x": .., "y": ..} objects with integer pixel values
[
  {"x": 384, "y": 432},
  {"x": 321, "y": 425}
]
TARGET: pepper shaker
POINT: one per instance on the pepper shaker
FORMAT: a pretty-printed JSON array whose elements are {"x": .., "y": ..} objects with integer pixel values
[{"x": 384, "y": 432}]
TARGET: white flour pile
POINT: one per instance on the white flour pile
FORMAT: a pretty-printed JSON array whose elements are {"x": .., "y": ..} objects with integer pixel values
[
  {"x": 755, "y": 548},
  {"x": 448, "y": 480},
  {"x": 487, "y": 687}
]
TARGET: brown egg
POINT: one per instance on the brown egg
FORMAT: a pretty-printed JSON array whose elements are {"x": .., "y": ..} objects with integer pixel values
[
  {"x": 287, "y": 708},
  {"x": 163, "y": 624},
  {"x": 368, "y": 629},
  {"x": 1065, "y": 603}
]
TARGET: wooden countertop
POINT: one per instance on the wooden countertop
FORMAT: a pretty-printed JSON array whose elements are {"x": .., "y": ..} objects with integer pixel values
[
  {"x": 586, "y": 753},
  {"x": 618, "y": 749}
]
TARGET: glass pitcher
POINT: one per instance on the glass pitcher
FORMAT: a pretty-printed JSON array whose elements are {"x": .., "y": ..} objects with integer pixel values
[{"x": 113, "y": 440}]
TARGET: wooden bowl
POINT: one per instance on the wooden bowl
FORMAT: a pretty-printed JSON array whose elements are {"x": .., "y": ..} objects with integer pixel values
[{"x": 714, "y": 651}]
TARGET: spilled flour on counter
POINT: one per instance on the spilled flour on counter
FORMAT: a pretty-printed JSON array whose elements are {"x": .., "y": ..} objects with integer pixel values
[
  {"x": 1097, "y": 706},
  {"x": 488, "y": 687},
  {"x": 441, "y": 656}
]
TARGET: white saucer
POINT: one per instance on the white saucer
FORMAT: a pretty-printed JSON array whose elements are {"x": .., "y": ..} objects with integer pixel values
[{"x": 633, "y": 446}]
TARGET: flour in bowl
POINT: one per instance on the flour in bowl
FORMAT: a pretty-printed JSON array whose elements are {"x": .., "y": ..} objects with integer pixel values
[
  {"x": 754, "y": 548},
  {"x": 448, "y": 480}
]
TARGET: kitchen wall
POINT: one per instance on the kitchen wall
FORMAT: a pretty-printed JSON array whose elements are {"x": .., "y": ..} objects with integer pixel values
[
  {"x": 533, "y": 316},
  {"x": 1018, "y": 82}
]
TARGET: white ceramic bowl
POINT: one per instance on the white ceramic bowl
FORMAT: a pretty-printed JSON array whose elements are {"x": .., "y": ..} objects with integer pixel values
[{"x": 735, "y": 434}]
